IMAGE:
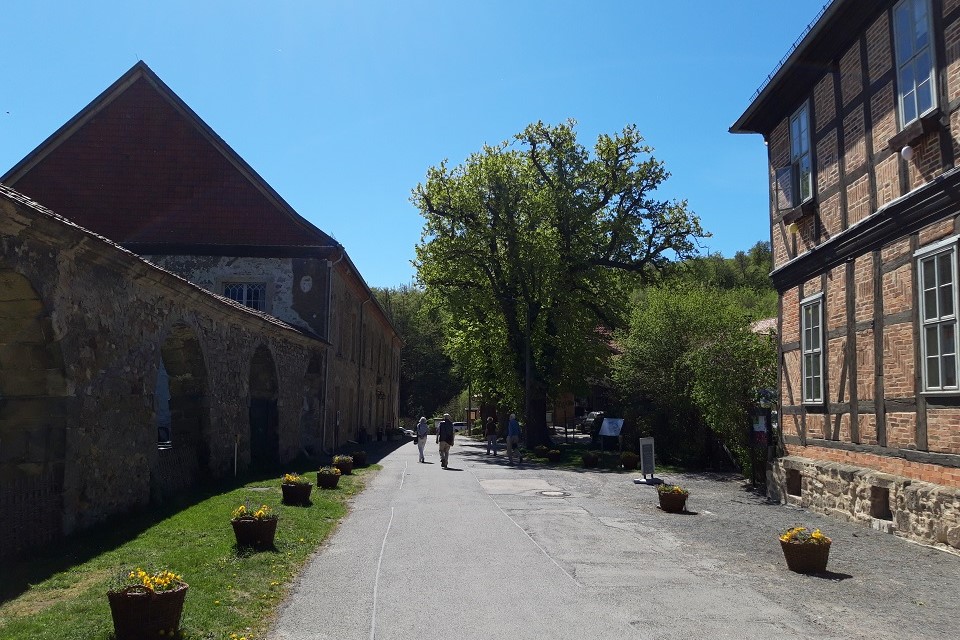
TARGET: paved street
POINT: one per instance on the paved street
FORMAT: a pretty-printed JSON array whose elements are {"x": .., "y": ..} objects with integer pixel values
[{"x": 485, "y": 550}]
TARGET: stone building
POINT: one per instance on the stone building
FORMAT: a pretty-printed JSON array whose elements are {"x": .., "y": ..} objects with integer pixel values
[
  {"x": 216, "y": 330},
  {"x": 862, "y": 127}
]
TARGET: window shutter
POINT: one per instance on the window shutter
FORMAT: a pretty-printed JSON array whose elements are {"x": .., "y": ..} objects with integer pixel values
[{"x": 784, "y": 178}]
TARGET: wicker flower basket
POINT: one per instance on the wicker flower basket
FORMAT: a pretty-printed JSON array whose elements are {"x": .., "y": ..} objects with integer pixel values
[
  {"x": 327, "y": 480},
  {"x": 297, "y": 494},
  {"x": 806, "y": 557},
  {"x": 140, "y": 613},
  {"x": 258, "y": 534},
  {"x": 346, "y": 468},
  {"x": 672, "y": 502}
]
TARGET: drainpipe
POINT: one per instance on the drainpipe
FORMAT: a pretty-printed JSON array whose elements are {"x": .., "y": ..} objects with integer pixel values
[
  {"x": 326, "y": 361},
  {"x": 360, "y": 363}
]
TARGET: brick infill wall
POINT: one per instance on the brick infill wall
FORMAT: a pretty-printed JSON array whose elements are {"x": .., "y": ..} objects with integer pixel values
[{"x": 922, "y": 471}]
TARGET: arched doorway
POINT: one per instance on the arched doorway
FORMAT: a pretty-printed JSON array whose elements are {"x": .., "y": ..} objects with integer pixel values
[
  {"x": 264, "y": 415},
  {"x": 181, "y": 410},
  {"x": 311, "y": 416},
  {"x": 34, "y": 412}
]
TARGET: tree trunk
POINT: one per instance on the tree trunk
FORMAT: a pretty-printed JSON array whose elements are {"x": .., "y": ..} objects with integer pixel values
[{"x": 536, "y": 427}]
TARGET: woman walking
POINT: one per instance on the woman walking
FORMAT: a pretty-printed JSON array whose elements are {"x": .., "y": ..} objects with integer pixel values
[{"x": 422, "y": 430}]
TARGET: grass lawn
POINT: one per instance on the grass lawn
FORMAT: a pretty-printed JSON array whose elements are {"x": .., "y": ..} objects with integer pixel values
[{"x": 233, "y": 592}]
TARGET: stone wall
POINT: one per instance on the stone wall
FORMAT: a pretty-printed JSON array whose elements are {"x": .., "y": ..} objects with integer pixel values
[
  {"x": 921, "y": 511},
  {"x": 85, "y": 327}
]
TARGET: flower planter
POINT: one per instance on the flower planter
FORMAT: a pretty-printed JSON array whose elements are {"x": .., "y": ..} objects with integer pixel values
[
  {"x": 806, "y": 557},
  {"x": 672, "y": 502},
  {"x": 629, "y": 462},
  {"x": 359, "y": 458},
  {"x": 258, "y": 534},
  {"x": 554, "y": 456},
  {"x": 297, "y": 494},
  {"x": 327, "y": 480},
  {"x": 140, "y": 613},
  {"x": 346, "y": 468}
]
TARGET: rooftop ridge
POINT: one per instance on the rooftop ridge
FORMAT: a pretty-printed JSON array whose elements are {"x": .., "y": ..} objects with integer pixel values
[{"x": 793, "y": 47}]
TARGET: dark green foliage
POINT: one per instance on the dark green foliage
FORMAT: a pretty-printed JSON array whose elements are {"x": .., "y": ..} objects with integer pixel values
[
  {"x": 428, "y": 378},
  {"x": 690, "y": 371}
]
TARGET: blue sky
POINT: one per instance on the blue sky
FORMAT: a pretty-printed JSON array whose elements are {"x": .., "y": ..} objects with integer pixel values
[{"x": 342, "y": 106}]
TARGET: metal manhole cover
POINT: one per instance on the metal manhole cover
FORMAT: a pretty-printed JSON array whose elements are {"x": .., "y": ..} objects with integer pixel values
[{"x": 554, "y": 494}]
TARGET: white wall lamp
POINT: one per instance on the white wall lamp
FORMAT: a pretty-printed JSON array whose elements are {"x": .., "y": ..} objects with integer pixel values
[{"x": 907, "y": 153}]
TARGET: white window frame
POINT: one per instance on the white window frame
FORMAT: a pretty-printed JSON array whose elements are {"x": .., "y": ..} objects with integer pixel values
[
  {"x": 795, "y": 181},
  {"x": 264, "y": 288},
  {"x": 811, "y": 351},
  {"x": 938, "y": 324},
  {"x": 915, "y": 59}
]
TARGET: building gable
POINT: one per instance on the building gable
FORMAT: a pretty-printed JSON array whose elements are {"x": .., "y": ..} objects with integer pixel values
[{"x": 137, "y": 165}]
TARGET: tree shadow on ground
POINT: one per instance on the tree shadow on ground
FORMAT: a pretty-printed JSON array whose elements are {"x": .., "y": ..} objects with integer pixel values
[{"x": 38, "y": 565}]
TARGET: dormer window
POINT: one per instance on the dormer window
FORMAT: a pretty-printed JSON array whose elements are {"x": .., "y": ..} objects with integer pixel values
[
  {"x": 795, "y": 182},
  {"x": 915, "y": 63}
]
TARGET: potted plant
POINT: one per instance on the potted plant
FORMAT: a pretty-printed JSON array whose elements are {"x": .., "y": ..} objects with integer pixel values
[
  {"x": 629, "y": 460},
  {"x": 344, "y": 463},
  {"x": 254, "y": 527},
  {"x": 296, "y": 489},
  {"x": 328, "y": 477},
  {"x": 673, "y": 498},
  {"x": 147, "y": 605},
  {"x": 541, "y": 450},
  {"x": 591, "y": 459},
  {"x": 359, "y": 458},
  {"x": 805, "y": 551},
  {"x": 553, "y": 455}
]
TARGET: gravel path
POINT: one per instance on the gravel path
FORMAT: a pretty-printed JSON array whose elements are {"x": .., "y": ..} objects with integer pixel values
[{"x": 877, "y": 585}]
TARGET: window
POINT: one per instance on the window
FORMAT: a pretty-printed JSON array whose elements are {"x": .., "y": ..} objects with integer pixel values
[
  {"x": 938, "y": 319},
  {"x": 915, "y": 65},
  {"x": 795, "y": 182},
  {"x": 251, "y": 294},
  {"x": 811, "y": 345}
]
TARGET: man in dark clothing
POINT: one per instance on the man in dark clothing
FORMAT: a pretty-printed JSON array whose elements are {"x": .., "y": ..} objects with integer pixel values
[{"x": 445, "y": 439}]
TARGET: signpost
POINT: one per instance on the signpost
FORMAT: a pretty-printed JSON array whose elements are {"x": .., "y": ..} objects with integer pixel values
[
  {"x": 611, "y": 427},
  {"x": 759, "y": 438},
  {"x": 646, "y": 457}
]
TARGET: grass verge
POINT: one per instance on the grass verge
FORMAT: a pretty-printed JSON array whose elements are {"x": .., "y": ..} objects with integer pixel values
[{"x": 233, "y": 592}]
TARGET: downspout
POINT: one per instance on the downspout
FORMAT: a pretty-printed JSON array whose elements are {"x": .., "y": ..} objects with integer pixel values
[
  {"x": 360, "y": 363},
  {"x": 326, "y": 361}
]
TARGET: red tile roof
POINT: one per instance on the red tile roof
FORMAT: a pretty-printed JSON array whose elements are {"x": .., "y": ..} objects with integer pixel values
[{"x": 137, "y": 165}]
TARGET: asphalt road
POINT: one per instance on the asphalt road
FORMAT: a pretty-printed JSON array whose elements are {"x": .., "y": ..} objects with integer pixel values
[{"x": 486, "y": 550}]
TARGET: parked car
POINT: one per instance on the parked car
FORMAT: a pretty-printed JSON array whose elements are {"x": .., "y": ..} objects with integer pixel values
[
  {"x": 592, "y": 425},
  {"x": 459, "y": 426},
  {"x": 586, "y": 422}
]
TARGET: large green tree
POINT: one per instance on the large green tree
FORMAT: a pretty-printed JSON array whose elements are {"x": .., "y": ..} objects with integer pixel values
[
  {"x": 691, "y": 369},
  {"x": 525, "y": 254}
]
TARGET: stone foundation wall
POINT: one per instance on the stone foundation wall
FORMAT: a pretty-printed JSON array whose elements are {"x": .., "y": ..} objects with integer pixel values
[
  {"x": 84, "y": 327},
  {"x": 920, "y": 511}
]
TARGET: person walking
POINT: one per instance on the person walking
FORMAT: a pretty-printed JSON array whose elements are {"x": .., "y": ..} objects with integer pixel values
[
  {"x": 445, "y": 439},
  {"x": 422, "y": 430},
  {"x": 491, "y": 432},
  {"x": 513, "y": 438}
]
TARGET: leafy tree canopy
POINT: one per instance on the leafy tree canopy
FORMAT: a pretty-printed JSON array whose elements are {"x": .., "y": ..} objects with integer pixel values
[
  {"x": 533, "y": 244},
  {"x": 428, "y": 378},
  {"x": 692, "y": 367}
]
